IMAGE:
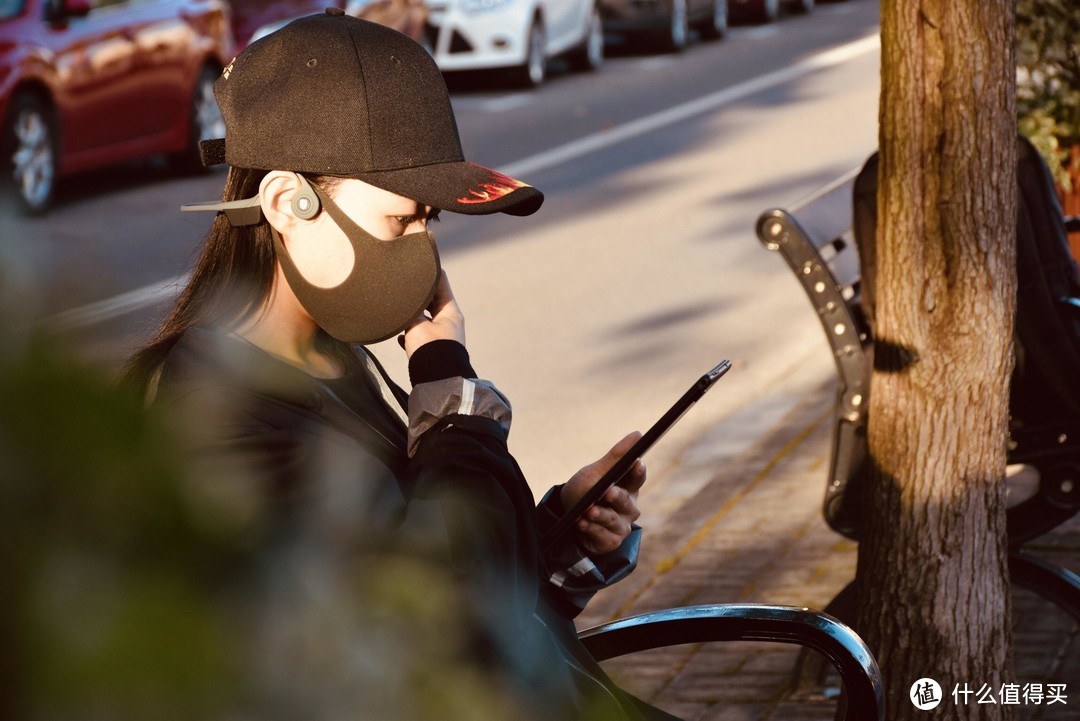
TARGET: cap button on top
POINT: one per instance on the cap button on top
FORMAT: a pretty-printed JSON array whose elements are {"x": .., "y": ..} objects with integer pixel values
[{"x": 335, "y": 11}]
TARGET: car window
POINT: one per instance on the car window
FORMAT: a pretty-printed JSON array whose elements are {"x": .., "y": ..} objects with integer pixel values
[{"x": 11, "y": 8}]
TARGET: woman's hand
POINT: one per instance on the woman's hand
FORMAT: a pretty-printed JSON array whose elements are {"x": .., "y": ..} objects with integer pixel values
[
  {"x": 606, "y": 525},
  {"x": 442, "y": 321}
]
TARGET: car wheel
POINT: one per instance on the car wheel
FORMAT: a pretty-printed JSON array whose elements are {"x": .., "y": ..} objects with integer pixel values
[
  {"x": 716, "y": 26},
  {"x": 30, "y": 154},
  {"x": 676, "y": 35},
  {"x": 590, "y": 56},
  {"x": 801, "y": 6},
  {"x": 533, "y": 72},
  {"x": 205, "y": 123}
]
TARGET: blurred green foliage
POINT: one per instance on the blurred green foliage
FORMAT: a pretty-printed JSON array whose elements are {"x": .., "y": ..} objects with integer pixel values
[
  {"x": 1048, "y": 79},
  {"x": 109, "y": 606},
  {"x": 128, "y": 592}
]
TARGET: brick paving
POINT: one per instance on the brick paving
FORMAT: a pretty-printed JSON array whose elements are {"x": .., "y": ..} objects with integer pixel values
[{"x": 755, "y": 533}]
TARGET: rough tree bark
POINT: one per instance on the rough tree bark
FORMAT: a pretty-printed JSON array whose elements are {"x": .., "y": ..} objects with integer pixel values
[{"x": 933, "y": 576}]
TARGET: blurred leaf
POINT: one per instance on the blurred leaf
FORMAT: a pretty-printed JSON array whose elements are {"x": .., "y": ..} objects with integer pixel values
[
  {"x": 110, "y": 573},
  {"x": 131, "y": 593},
  {"x": 1048, "y": 79}
]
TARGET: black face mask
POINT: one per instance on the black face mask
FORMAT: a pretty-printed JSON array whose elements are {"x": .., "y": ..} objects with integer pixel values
[{"x": 391, "y": 282}]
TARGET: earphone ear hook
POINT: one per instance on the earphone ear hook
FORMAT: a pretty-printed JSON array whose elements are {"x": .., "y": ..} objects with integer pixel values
[
  {"x": 305, "y": 202},
  {"x": 241, "y": 213}
]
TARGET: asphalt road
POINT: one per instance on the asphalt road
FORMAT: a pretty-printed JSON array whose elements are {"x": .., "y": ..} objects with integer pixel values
[{"x": 640, "y": 272}]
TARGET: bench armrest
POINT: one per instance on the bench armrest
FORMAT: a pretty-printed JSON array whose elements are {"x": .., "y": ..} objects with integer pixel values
[{"x": 751, "y": 622}]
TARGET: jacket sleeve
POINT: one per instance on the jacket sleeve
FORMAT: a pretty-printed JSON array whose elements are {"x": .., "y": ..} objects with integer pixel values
[
  {"x": 463, "y": 462},
  {"x": 457, "y": 439},
  {"x": 457, "y": 444},
  {"x": 577, "y": 574}
]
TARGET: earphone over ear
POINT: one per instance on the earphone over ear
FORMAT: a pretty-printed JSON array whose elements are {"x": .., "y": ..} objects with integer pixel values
[{"x": 305, "y": 203}]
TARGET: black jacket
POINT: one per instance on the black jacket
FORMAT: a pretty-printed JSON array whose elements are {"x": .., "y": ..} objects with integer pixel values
[{"x": 326, "y": 465}]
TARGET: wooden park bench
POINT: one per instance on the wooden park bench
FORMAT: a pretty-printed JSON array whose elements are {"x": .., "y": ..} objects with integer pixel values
[{"x": 818, "y": 239}]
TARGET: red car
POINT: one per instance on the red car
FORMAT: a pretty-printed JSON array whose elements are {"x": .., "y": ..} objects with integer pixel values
[{"x": 89, "y": 83}]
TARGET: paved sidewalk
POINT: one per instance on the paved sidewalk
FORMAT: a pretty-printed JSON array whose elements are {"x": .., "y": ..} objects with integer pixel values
[{"x": 755, "y": 533}]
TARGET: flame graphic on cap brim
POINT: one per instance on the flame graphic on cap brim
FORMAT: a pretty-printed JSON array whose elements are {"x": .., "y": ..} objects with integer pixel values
[{"x": 498, "y": 186}]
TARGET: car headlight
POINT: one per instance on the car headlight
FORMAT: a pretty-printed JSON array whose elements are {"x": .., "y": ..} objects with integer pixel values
[{"x": 479, "y": 6}]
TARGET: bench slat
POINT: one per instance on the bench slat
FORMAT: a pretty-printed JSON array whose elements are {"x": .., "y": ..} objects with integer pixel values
[
  {"x": 826, "y": 215},
  {"x": 816, "y": 239}
]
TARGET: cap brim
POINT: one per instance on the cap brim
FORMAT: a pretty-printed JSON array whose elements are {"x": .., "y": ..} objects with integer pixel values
[{"x": 460, "y": 187}]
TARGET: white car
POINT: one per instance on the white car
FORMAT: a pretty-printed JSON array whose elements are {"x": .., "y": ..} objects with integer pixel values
[{"x": 519, "y": 35}]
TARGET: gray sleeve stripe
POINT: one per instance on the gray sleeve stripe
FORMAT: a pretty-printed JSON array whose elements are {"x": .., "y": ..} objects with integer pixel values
[
  {"x": 431, "y": 402},
  {"x": 468, "y": 398}
]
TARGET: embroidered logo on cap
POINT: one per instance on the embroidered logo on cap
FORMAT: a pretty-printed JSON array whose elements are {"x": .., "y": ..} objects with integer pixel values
[{"x": 498, "y": 186}]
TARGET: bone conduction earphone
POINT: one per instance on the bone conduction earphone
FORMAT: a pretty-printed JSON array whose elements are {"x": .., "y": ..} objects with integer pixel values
[{"x": 305, "y": 205}]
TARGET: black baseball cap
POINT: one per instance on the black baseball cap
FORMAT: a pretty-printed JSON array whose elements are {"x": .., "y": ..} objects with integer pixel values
[{"x": 331, "y": 94}]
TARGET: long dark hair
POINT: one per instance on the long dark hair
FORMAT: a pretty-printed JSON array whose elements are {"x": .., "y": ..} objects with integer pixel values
[{"x": 231, "y": 281}]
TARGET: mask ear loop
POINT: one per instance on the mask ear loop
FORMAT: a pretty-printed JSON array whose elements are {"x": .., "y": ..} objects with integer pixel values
[
  {"x": 347, "y": 224},
  {"x": 318, "y": 199},
  {"x": 338, "y": 215}
]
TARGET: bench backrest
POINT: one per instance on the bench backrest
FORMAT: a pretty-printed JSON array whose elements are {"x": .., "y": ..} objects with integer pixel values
[
  {"x": 820, "y": 239},
  {"x": 815, "y": 237}
]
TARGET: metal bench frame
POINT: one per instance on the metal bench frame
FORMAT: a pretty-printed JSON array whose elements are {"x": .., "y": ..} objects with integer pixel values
[
  {"x": 863, "y": 699},
  {"x": 816, "y": 239}
]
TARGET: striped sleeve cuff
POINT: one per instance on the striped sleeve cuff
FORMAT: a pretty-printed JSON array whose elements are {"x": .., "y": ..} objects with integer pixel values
[
  {"x": 583, "y": 567},
  {"x": 430, "y": 402},
  {"x": 570, "y": 569}
]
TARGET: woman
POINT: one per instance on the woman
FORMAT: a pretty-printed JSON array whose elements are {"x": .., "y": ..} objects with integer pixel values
[{"x": 343, "y": 148}]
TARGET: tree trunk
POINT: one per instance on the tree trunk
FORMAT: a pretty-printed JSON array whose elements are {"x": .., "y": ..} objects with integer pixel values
[{"x": 932, "y": 568}]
